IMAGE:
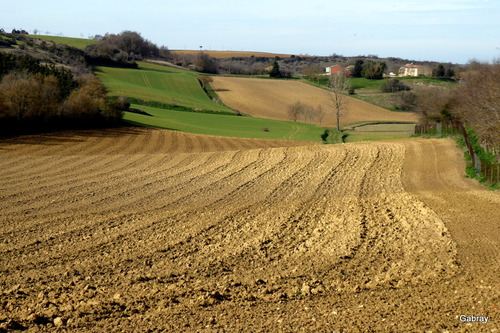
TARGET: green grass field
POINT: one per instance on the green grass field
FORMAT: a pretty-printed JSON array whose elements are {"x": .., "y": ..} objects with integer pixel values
[
  {"x": 379, "y": 131},
  {"x": 80, "y": 43},
  {"x": 158, "y": 83},
  {"x": 224, "y": 125}
]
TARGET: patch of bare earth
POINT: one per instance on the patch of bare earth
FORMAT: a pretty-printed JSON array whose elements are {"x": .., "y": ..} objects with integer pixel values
[{"x": 128, "y": 230}]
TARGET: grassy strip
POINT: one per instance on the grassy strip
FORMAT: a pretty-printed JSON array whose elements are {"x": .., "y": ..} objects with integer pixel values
[
  {"x": 352, "y": 126},
  {"x": 80, "y": 43},
  {"x": 378, "y": 130},
  {"x": 224, "y": 125},
  {"x": 353, "y": 136}
]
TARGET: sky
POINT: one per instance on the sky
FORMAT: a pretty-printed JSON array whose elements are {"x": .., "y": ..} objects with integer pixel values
[{"x": 455, "y": 31}]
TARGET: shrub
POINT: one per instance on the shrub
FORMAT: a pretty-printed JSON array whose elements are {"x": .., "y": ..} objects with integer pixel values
[
  {"x": 394, "y": 85},
  {"x": 29, "y": 96},
  {"x": 404, "y": 100},
  {"x": 121, "y": 103}
]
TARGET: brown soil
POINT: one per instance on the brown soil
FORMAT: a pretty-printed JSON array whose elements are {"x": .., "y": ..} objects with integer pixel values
[
  {"x": 271, "y": 99},
  {"x": 137, "y": 230}
]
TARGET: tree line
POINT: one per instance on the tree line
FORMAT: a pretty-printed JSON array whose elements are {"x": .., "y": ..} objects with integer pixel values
[{"x": 475, "y": 102}]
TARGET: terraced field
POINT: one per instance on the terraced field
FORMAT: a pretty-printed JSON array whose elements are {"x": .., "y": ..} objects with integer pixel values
[
  {"x": 271, "y": 99},
  {"x": 140, "y": 229}
]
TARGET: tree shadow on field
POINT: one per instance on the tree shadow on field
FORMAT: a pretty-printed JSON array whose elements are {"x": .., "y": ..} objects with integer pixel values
[
  {"x": 222, "y": 89},
  {"x": 69, "y": 136}
]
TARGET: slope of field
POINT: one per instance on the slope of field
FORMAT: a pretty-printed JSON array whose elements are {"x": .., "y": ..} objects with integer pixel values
[
  {"x": 80, "y": 43},
  {"x": 271, "y": 99},
  {"x": 153, "y": 82},
  {"x": 224, "y": 125},
  {"x": 137, "y": 230}
]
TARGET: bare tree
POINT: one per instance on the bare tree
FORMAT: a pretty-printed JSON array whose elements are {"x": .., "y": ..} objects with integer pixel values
[
  {"x": 479, "y": 98},
  {"x": 338, "y": 84},
  {"x": 319, "y": 113},
  {"x": 296, "y": 110},
  {"x": 312, "y": 71}
]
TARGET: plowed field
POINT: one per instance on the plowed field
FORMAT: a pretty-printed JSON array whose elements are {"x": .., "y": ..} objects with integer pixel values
[
  {"x": 137, "y": 230},
  {"x": 271, "y": 99}
]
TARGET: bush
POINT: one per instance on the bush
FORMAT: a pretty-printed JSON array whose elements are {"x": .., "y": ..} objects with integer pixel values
[
  {"x": 33, "y": 103},
  {"x": 404, "y": 100},
  {"x": 206, "y": 64},
  {"x": 121, "y": 103},
  {"x": 29, "y": 96},
  {"x": 394, "y": 85}
]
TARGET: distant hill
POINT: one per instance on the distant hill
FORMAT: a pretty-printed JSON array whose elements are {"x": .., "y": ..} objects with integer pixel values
[{"x": 232, "y": 54}]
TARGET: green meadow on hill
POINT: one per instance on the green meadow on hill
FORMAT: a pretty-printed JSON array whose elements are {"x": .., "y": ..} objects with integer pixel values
[
  {"x": 79, "y": 43},
  {"x": 151, "y": 82}
]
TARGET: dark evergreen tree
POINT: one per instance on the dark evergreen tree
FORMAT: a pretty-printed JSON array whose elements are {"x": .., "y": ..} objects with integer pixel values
[
  {"x": 275, "y": 71},
  {"x": 439, "y": 71},
  {"x": 357, "y": 71},
  {"x": 450, "y": 72}
]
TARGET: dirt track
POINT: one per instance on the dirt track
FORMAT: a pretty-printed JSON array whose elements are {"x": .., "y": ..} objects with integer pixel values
[
  {"x": 151, "y": 229},
  {"x": 271, "y": 99}
]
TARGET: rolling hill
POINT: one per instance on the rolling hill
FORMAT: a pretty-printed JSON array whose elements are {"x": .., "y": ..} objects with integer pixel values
[
  {"x": 271, "y": 99},
  {"x": 158, "y": 83}
]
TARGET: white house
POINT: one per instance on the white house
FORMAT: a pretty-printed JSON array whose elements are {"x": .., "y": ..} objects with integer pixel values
[{"x": 414, "y": 70}]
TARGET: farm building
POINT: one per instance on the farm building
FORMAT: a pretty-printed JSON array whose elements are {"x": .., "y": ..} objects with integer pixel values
[
  {"x": 335, "y": 69},
  {"x": 414, "y": 70}
]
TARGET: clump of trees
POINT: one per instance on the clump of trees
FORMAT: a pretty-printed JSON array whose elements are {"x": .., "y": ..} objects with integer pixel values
[
  {"x": 404, "y": 100},
  {"x": 14, "y": 63},
  {"x": 313, "y": 72},
  {"x": 472, "y": 109},
  {"x": 443, "y": 72},
  {"x": 394, "y": 85},
  {"x": 479, "y": 100},
  {"x": 301, "y": 111},
  {"x": 475, "y": 102},
  {"x": 123, "y": 49},
  {"x": 36, "y": 97},
  {"x": 369, "y": 69},
  {"x": 206, "y": 64}
]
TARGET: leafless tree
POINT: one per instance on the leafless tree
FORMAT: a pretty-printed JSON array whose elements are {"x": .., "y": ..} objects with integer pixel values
[
  {"x": 296, "y": 110},
  {"x": 312, "y": 71},
  {"x": 339, "y": 85},
  {"x": 319, "y": 113},
  {"x": 479, "y": 100}
]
